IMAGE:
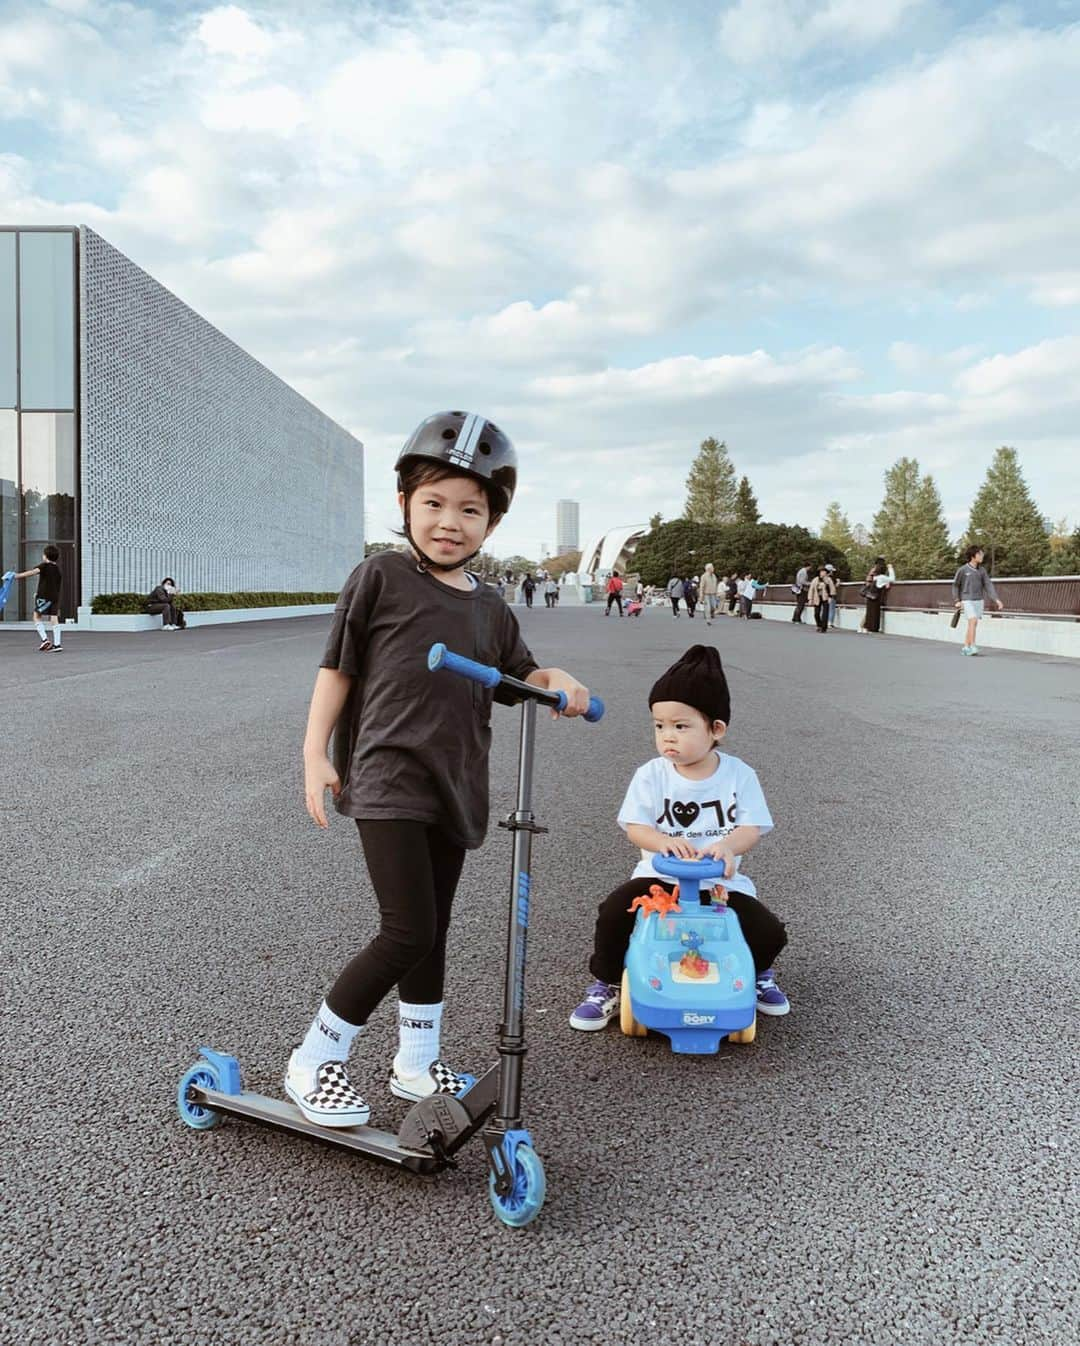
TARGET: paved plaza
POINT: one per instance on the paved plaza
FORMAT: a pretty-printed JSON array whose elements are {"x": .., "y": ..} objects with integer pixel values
[{"x": 893, "y": 1164}]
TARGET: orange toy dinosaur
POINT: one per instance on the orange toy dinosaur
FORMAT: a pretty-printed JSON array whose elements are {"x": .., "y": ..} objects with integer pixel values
[{"x": 657, "y": 899}]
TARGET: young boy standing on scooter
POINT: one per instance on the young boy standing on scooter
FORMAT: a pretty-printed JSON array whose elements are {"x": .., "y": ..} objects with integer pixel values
[
  {"x": 411, "y": 751},
  {"x": 690, "y": 801}
]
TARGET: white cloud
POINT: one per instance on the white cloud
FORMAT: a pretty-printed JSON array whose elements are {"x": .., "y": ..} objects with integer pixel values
[
  {"x": 230, "y": 31},
  {"x": 760, "y": 31}
]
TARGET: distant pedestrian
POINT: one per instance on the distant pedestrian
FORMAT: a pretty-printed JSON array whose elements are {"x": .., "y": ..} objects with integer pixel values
[
  {"x": 731, "y": 585},
  {"x": 500, "y": 587},
  {"x": 47, "y": 598},
  {"x": 710, "y": 593},
  {"x": 821, "y": 590},
  {"x": 800, "y": 589},
  {"x": 971, "y": 587},
  {"x": 162, "y": 601},
  {"x": 551, "y": 592},
  {"x": 674, "y": 593},
  {"x": 528, "y": 584},
  {"x": 614, "y": 593},
  {"x": 747, "y": 593},
  {"x": 831, "y": 569},
  {"x": 878, "y": 579},
  {"x": 689, "y": 589}
]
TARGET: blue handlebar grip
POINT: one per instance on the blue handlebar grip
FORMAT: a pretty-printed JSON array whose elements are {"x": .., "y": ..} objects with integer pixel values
[
  {"x": 594, "y": 713},
  {"x": 440, "y": 657}
]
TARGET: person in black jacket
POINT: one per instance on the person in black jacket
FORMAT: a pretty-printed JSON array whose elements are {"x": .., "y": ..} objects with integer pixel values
[{"x": 163, "y": 600}]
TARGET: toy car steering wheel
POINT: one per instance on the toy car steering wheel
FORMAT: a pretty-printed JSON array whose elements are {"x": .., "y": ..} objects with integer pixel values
[{"x": 674, "y": 868}]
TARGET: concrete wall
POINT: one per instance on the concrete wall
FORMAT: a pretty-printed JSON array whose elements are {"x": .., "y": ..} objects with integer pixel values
[
  {"x": 196, "y": 461},
  {"x": 1035, "y": 635}
]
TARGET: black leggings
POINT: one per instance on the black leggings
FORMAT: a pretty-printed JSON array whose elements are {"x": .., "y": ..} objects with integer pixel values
[
  {"x": 414, "y": 869},
  {"x": 763, "y": 932},
  {"x": 614, "y": 598}
]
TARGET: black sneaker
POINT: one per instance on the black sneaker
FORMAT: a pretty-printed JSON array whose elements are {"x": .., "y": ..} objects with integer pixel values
[
  {"x": 46, "y": 644},
  {"x": 57, "y": 649}
]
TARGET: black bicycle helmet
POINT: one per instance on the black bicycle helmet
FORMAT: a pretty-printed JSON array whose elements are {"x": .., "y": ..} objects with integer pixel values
[{"x": 470, "y": 443}]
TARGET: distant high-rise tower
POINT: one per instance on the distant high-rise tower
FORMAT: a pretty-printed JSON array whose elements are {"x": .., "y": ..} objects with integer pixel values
[{"x": 566, "y": 527}]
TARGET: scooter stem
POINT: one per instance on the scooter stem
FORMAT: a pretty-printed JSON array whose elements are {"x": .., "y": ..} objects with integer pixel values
[{"x": 522, "y": 823}]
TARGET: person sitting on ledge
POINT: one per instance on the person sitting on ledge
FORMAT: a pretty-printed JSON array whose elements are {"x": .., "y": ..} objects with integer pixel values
[{"x": 163, "y": 600}]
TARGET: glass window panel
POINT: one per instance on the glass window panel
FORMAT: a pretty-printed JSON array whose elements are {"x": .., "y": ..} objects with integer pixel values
[
  {"x": 48, "y": 463},
  {"x": 46, "y": 320},
  {"x": 7, "y": 320},
  {"x": 9, "y": 493}
]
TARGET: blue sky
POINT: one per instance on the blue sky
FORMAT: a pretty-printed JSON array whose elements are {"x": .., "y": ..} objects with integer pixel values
[{"x": 827, "y": 231}]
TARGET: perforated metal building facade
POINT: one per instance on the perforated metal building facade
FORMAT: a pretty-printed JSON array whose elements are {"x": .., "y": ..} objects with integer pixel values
[{"x": 195, "y": 461}]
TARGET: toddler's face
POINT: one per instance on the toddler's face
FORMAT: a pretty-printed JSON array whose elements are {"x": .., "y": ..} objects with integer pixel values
[{"x": 683, "y": 735}]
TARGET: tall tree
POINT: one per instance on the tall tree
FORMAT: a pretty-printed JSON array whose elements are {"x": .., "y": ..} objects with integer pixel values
[
  {"x": 1005, "y": 522},
  {"x": 909, "y": 529},
  {"x": 836, "y": 529},
  {"x": 746, "y": 505},
  {"x": 655, "y": 522},
  {"x": 711, "y": 493}
]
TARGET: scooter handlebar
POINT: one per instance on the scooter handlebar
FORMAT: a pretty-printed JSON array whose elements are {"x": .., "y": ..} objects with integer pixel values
[{"x": 440, "y": 657}]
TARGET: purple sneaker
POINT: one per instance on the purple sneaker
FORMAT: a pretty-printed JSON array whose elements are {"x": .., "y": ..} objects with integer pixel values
[
  {"x": 600, "y": 1005},
  {"x": 770, "y": 998}
]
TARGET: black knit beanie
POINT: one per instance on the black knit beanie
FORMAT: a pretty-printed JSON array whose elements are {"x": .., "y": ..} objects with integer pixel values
[{"x": 696, "y": 680}]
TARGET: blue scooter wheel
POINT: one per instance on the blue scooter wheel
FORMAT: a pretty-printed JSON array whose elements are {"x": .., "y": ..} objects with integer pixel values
[
  {"x": 522, "y": 1203},
  {"x": 203, "y": 1076}
]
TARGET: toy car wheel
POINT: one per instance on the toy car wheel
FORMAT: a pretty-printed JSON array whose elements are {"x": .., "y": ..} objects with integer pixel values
[
  {"x": 745, "y": 1034},
  {"x": 202, "y": 1075},
  {"x": 522, "y": 1203},
  {"x": 627, "y": 1022}
]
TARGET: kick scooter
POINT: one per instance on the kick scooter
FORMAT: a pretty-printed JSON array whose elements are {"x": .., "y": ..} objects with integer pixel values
[{"x": 436, "y": 1127}]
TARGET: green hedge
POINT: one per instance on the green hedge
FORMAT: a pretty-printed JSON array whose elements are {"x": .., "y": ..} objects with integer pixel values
[{"x": 104, "y": 605}]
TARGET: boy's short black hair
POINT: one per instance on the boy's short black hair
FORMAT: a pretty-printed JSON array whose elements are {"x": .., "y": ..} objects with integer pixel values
[
  {"x": 973, "y": 551},
  {"x": 51, "y": 551}
]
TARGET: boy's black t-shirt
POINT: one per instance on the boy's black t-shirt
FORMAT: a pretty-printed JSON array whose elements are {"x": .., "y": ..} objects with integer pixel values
[
  {"x": 411, "y": 743},
  {"x": 49, "y": 579}
]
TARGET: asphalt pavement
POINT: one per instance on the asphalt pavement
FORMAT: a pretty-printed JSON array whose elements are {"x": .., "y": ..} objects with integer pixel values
[{"x": 894, "y": 1163}]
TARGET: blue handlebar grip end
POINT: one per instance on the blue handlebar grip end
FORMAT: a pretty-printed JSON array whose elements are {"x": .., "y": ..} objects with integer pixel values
[
  {"x": 562, "y": 702},
  {"x": 436, "y": 655},
  {"x": 595, "y": 711}
]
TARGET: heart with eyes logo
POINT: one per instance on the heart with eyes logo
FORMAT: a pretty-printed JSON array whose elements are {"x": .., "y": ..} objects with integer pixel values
[{"x": 684, "y": 814}]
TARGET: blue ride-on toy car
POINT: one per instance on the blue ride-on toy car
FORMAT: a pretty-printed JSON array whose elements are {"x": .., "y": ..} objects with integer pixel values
[{"x": 689, "y": 972}]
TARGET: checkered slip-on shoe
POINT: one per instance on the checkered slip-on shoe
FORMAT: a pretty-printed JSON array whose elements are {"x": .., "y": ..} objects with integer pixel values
[
  {"x": 324, "y": 1094},
  {"x": 437, "y": 1079}
]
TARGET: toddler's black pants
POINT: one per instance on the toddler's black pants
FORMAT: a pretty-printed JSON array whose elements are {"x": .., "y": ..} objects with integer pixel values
[
  {"x": 414, "y": 869},
  {"x": 763, "y": 932}
]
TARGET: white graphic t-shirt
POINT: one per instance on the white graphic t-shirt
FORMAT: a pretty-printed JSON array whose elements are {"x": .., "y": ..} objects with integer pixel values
[{"x": 702, "y": 811}]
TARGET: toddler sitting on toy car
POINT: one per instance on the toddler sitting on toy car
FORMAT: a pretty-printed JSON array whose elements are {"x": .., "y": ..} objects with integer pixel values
[{"x": 691, "y": 800}]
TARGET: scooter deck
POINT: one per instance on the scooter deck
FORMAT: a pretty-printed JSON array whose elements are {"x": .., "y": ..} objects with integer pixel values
[
  {"x": 453, "y": 1120},
  {"x": 285, "y": 1116}
]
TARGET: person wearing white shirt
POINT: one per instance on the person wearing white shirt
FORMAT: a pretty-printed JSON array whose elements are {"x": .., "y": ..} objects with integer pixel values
[{"x": 690, "y": 800}]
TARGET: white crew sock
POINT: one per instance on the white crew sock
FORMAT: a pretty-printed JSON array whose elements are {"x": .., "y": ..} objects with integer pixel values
[
  {"x": 56, "y": 636},
  {"x": 41, "y": 630},
  {"x": 419, "y": 1027},
  {"x": 328, "y": 1039}
]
